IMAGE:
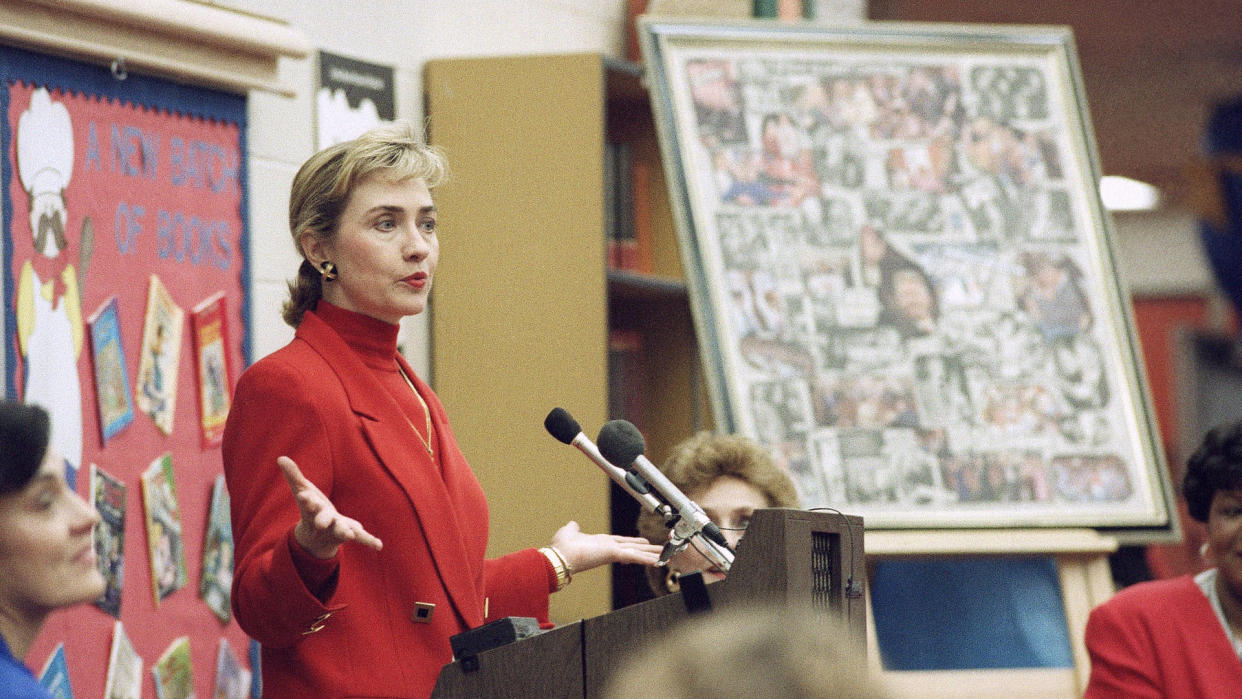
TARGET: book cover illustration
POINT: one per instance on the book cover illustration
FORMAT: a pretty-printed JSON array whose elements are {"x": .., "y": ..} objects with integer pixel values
[
  {"x": 174, "y": 675},
  {"x": 210, "y": 331},
  {"x": 156, "y": 392},
  {"x": 232, "y": 679},
  {"x": 108, "y": 496},
  {"x": 215, "y": 585},
  {"x": 71, "y": 475},
  {"x": 112, "y": 395},
  {"x": 165, "y": 536},
  {"x": 124, "y": 668},
  {"x": 255, "y": 651},
  {"x": 55, "y": 674}
]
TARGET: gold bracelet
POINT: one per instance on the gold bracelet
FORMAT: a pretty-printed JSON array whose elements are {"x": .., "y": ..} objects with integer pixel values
[
  {"x": 569, "y": 570},
  {"x": 560, "y": 566}
]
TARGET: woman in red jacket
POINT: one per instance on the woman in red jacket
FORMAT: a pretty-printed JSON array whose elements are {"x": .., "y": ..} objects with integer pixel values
[
  {"x": 354, "y": 584},
  {"x": 1182, "y": 637}
]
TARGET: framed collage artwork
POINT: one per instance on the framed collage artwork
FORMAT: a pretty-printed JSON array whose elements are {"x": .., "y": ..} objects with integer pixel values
[{"x": 902, "y": 277}]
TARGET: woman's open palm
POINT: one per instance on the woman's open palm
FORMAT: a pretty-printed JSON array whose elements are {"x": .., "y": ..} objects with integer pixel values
[{"x": 322, "y": 529}]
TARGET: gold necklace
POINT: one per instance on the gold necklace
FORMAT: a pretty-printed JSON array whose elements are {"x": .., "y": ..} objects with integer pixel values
[{"x": 426, "y": 412}]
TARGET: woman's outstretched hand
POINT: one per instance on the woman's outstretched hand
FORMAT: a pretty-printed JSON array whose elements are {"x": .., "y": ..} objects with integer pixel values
[
  {"x": 587, "y": 551},
  {"x": 322, "y": 529}
]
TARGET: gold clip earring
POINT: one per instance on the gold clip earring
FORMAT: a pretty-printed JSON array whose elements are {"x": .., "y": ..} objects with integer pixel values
[{"x": 328, "y": 270}]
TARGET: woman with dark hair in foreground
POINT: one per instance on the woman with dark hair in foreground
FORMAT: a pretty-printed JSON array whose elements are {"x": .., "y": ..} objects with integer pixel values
[{"x": 47, "y": 559}]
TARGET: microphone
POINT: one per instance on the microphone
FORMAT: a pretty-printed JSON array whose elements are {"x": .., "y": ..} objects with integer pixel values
[
  {"x": 620, "y": 442},
  {"x": 565, "y": 428}
]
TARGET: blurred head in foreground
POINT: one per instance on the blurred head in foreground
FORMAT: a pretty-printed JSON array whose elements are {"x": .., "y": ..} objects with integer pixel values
[{"x": 750, "y": 651}]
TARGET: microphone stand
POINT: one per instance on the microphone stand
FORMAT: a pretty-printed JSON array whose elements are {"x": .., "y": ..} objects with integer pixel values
[{"x": 683, "y": 533}]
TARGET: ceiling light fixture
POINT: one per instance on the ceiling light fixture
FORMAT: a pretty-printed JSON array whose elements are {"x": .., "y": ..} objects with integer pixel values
[{"x": 1125, "y": 194}]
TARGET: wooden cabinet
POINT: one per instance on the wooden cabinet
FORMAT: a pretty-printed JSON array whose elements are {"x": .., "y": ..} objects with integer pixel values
[{"x": 524, "y": 302}]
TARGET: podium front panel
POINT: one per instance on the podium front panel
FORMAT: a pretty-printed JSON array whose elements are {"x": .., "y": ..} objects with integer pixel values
[{"x": 548, "y": 664}]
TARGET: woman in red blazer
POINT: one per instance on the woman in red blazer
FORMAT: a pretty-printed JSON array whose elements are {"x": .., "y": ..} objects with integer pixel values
[
  {"x": 355, "y": 582},
  {"x": 1181, "y": 637}
]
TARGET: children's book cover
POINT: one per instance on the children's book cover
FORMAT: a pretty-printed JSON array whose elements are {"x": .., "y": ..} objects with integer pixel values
[
  {"x": 216, "y": 583},
  {"x": 165, "y": 535},
  {"x": 108, "y": 495},
  {"x": 210, "y": 329},
  {"x": 232, "y": 678},
  {"x": 124, "y": 679},
  {"x": 174, "y": 673},
  {"x": 156, "y": 393},
  {"x": 112, "y": 395},
  {"x": 55, "y": 674}
]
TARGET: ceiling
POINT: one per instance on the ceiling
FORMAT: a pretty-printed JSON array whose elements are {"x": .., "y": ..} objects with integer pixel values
[{"x": 1152, "y": 70}]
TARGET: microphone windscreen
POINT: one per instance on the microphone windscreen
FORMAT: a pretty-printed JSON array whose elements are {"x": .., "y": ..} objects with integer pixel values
[
  {"x": 562, "y": 425},
  {"x": 620, "y": 442}
]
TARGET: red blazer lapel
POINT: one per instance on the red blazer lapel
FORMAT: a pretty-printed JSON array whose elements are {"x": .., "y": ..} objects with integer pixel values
[{"x": 403, "y": 456}]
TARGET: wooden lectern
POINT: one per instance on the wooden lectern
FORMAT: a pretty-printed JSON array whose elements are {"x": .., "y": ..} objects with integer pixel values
[{"x": 787, "y": 556}]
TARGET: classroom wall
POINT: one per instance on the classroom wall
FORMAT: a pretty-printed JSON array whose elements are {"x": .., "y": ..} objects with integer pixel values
[
  {"x": 404, "y": 34},
  {"x": 1158, "y": 253}
]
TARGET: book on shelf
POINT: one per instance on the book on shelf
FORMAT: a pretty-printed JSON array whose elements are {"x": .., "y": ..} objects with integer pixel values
[
  {"x": 627, "y": 208},
  {"x": 611, "y": 149},
  {"x": 641, "y": 174},
  {"x": 618, "y": 158},
  {"x": 625, "y": 376},
  {"x": 107, "y": 494},
  {"x": 626, "y": 246}
]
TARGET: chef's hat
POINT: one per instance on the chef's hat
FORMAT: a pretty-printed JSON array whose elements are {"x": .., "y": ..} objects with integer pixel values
[{"x": 44, "y": 145}]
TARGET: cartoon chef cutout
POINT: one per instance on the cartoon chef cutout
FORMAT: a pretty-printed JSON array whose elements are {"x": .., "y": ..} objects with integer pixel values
[{"x": 49, "y": 309}]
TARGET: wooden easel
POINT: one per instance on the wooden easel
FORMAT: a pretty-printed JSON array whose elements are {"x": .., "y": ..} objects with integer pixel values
[{"x": 1082, "y": 565}]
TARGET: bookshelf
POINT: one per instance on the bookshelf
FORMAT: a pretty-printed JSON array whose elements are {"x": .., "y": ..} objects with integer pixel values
[{"x": 525, "y": 302}]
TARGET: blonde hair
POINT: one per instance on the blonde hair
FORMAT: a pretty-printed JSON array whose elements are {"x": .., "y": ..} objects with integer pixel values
[
  {"x": 752, "y": 650},
  {"x": 322, "y": 187},
  {"x": 698, "y": 461}
]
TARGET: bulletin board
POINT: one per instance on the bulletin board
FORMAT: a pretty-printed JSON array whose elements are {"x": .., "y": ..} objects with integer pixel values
[{"x": 125, "y": 316}]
